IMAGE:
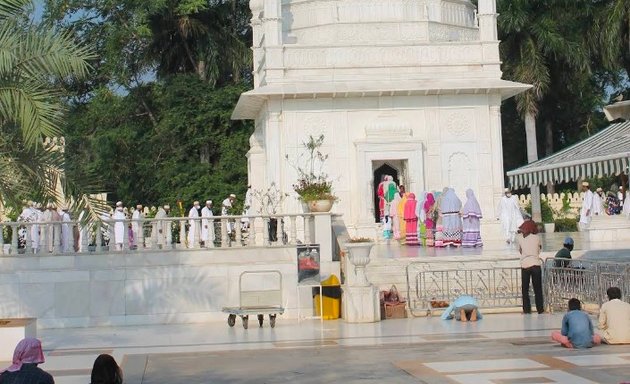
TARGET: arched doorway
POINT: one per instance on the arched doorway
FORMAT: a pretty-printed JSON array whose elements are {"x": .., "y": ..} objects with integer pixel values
[{"x": 379, "y": 175}]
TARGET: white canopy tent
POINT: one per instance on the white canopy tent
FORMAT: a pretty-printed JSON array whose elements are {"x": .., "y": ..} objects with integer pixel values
[{"x": 606, "y": 153}]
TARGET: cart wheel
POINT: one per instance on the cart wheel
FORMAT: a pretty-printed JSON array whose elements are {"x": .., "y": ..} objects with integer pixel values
[
  {"x": 272, "y": 320},
  {"x": 231, "y": 320},
  {"x": 261, "y": 320},
  {"x": 245, "y": 321}
]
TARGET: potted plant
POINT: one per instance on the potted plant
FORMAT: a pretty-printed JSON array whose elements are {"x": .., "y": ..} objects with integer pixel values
[
  {"x": 359, "y": 255},
  {"x": 313, "y": 186}
]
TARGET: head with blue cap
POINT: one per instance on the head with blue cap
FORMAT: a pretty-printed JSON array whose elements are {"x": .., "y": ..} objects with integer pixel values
[{"x": 568, "y": 243}]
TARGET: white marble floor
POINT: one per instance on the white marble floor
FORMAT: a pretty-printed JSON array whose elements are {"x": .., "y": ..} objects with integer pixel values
[{"x": 70, "y": 352}]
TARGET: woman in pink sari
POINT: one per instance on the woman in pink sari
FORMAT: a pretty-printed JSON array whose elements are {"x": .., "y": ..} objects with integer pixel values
[
  {"x": 429, "y": 222},
  {"x": 411, "y": 220}
]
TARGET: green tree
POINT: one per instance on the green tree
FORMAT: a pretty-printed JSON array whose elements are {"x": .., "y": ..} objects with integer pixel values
[
  {"x": 34, "y": 61},
  {"x": 537, "y": 35}
]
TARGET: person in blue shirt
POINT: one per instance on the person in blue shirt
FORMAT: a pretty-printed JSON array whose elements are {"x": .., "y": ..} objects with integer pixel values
[
  {"x": 577, "y": 329},
  {"x": 464, "y": 308}
]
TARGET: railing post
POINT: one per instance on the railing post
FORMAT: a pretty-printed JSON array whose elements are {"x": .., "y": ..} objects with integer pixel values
[
  {"x": 140, "y": 239},
  {"x": 251, "y": 238},
  {"x": 154, "y": 234},
  {"x": 239, "y": 235},
  {"x": 293, "y": 230},
  {"x": 28, "y": 247},
  {"x": 168, "y": 233},
  {"x": 57, "y": 237},
  {"x": 307, "y": 228},
  {"x": 183, "y": 236},
  {"x": 99, "y": 237},
  {"x": 224, "y": 232},
  {"x": 265, "y": 231},
  {"x": 14, "y": 238},
  {"x": 84, "y": 241},
  {"x": 125, "y": 243},
  {"x": 279, "y": 231}
]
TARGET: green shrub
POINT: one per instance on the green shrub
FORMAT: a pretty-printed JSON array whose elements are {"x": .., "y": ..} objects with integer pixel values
[
  {"x": 547, "y": 212},
  {"x": 566, "y": 225}
]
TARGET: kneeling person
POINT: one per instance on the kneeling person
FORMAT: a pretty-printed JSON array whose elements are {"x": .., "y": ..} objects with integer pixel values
[{"x": 464, "y": 308}]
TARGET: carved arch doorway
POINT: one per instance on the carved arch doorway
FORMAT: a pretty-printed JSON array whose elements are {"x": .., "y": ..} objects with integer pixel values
[{"x": 380, "y": 169}]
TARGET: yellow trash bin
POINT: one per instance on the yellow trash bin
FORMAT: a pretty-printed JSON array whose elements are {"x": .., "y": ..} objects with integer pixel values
[{"x": 331, "y": 288}]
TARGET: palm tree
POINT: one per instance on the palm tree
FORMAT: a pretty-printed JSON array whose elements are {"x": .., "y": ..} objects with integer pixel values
[
  {"x": 612, "y": 31},
  {"x": 34, "y": 61},
  {"x": 534, "y": 35}
]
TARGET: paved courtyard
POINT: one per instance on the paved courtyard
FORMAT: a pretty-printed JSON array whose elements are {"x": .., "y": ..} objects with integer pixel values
[{"x": 502, "y": 348}]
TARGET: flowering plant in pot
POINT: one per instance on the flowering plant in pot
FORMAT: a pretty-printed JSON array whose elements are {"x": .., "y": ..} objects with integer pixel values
[{"x": 313, "y": 185}]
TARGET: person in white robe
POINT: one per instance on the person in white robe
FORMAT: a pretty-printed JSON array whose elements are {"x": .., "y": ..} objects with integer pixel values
[
  {"x": 84, "y": 240},
  {"x": 598, "y": 202},
  {"x": 46, "y": 231},
  {"x": 39, "y": 217},
  {"x": 137, "y": 226},
  {"x": 587, "y": 207},
  {"x": 67, "y": 240},
  {"x": 207, "y": 225},
  {"x": 162, "y": 227},
  {"x": 509, "y": 213},
  {"x": 29, "y": 215},
  {"x": 193, "y": 225},
  {"x": 119, "y": 226},
  {"x": 226, "y": 206}
]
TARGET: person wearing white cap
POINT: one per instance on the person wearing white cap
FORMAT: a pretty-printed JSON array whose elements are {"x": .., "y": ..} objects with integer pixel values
[
  {"x": 621, "y": 195},
  {"x": 119, "y": 226},
  {"x": 207, "y": 225},
  {"x": 137, "y": 225},
  {"x": 509, "y": 213},
  {"x": 587, "y": 205},
  {"x": 193, "y": 225},
  {"x": 163, "y": 235}
]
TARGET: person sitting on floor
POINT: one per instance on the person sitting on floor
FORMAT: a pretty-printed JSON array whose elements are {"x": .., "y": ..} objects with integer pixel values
[
  {"x": 28, "y": 353},
  {"x": 564, "y": 253},
  {"x": 614, "y": 318},
  {"x": 464, "y": 307},
  {"x": 577, "y": 329},
  {"x": 106, "y": 371}
]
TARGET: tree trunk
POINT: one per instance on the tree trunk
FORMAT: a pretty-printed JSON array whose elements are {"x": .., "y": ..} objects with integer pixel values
[
  {"x": 532, "y": 155},
  {"x": 201, "y": 70},
  {"x": 551, "y": 187}
]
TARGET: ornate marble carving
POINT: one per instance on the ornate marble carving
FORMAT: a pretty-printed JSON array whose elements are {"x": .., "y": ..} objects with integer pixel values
[
  {"x": 457, "y": 123},
  {"x": 460, "y": 172}
]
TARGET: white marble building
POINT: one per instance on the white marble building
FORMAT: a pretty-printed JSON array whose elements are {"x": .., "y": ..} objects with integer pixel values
[{"x": 410, "y": 87}]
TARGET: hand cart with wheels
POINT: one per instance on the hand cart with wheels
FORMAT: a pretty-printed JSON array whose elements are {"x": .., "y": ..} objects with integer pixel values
[{"x": 260, "y": 302}]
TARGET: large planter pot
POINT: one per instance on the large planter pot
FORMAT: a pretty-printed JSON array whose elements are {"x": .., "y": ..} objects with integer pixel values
[
  {"x": 320, "y": 205},
  {"x": 359, "y": 257},
  {"x": 550, "y": 227}
]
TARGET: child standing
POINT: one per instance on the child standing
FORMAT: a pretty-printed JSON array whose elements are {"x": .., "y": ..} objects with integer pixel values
[{"x": 577, "y": 329}]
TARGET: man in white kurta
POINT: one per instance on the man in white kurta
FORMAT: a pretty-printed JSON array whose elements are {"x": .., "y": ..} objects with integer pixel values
[
  {"x": 137, "y": 225},
  {"x": 29, "y": 215},
  {"x": 46, "y": 239},
  {"x": 67, "y": 238},
  {"x": 509, "y": 213},
  {"x": 193, "y": 225},
  {"x": 163, "y": 227},
  {"x": 587, "y": 207},
  {"x": 207, "y": 225},
  {"x": 119, "y": 226}
]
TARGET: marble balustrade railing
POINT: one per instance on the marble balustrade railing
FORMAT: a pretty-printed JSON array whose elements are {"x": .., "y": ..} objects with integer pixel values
[{"x": 156, "y": 234}]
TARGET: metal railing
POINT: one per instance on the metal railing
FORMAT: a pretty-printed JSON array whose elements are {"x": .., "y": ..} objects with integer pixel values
[
  {"x": 156, "y": 234},
  {"x": 492, "y": 286},
  {"x": 498, "y": 286},
  {"x": 584, "y": 280}
]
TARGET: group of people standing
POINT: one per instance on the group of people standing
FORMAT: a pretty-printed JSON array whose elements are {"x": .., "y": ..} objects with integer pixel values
[
  {"x": 598, "y": 203},
  {"x": 432, "y": 219},
  {"x": 45, "y": 233}
]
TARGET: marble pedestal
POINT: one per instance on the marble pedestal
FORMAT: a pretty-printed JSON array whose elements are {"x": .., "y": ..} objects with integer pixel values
[
  {"x": 361, "y": 304},
  {"x": 12, "y": 331}
]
